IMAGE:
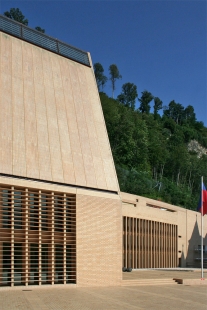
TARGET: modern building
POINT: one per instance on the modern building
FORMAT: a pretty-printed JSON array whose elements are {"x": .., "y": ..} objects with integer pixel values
[
  {"x": 61, "y": 210},
  {"x": 161, "y": 235}
]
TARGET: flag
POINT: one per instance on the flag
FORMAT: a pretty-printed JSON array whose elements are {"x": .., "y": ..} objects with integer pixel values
[{"x": 204, "y": 196}]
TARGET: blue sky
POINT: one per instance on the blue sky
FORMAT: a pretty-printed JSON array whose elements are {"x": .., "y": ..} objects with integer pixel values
[{"x": 160, "y": 46}]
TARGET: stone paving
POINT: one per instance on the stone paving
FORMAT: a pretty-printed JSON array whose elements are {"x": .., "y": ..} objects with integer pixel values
[
  {"x": 163, "y": 274},
  {"x": 107, "y": 298}
]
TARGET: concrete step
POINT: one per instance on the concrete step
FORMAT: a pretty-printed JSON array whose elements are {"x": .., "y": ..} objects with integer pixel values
[
  {"x": 191, "y": 281},
  {"x": 144, "y": 282}
]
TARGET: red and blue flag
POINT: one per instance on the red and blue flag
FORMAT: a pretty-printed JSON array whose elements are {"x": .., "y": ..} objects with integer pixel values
[{"x": 202, "y": 205}]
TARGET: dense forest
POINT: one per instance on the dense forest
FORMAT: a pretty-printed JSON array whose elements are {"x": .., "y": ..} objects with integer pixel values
[{"x": 160, "y": 157}]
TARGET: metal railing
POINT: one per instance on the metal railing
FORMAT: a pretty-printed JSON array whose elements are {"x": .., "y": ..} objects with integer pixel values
[{"x": 33, "y": 36}]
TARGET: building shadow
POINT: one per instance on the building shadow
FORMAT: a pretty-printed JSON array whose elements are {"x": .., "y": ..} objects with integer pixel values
[
  {"x": 193, "y": 256},
  {"x": 181, "y": 261}
]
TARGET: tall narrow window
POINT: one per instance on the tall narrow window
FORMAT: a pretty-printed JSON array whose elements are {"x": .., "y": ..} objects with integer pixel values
[
  {"x": 44, "y": 258},
  {"x": 18, "y": 264},
  {"x": 59, "y": 263},
  {"x": 17, "y": 210},
  {"x": 44, "y": 212},
  {"x": 6, "y": 264},
  {"x": 58, "y": 208},
  {"x": 69, "y": 214},
  {"x": 70, "y": 265},
  {"x": 34, "y": 264},
  {"x": 34, "y": 210},
  {"x": 6, "y": 204}
]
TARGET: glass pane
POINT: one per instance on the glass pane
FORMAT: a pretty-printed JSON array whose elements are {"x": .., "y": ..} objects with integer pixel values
[
  {"x": 58, "y": 264},
  {"x": 44, "y": 213},
  {"x": 6, "y": 272},
  {"x": 34, "y": 211},
  {"x": 17, "y": 210},
  {"x": 70, "y": 265},
  {"x": 58, "y": 209},
  {"x": 6, "y": 203},
  {"x": 34, "y": 264},
  {"x": 18, "y": 264},
  {"x": 44, "y": 259}
]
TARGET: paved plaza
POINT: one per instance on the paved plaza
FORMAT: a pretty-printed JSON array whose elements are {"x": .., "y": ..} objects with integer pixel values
[
  {"x": 184, "y": 273},
  {"x": 108, "y": 298}
]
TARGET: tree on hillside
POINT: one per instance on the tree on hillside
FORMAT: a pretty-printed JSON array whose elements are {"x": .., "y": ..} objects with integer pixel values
[
  {"x": 114, "y": 75},
  {"x": 152, "y": 156},
  {"x": 128, "y": 95},
  {"x": 16, "y": 14},
  {"x": 145, "y": 100},
  {"x": 157, "y": 106},
  {"x": 101, "y": 79},
  {"x": 174, "y": 111},
  {"x": 169, "y": 123},
  {"x": 40, "y": 29},
  {"x": 189, "y": 114}
]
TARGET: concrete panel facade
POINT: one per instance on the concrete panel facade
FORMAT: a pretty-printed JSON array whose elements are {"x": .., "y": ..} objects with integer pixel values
[{"x": 52, "y": 126}]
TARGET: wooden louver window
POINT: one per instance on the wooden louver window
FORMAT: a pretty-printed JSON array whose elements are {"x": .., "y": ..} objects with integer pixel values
[{"x": 37, "y": 237}]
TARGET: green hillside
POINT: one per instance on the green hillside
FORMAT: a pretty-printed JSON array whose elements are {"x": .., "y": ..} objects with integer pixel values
[{"x": 152, "y": 154}]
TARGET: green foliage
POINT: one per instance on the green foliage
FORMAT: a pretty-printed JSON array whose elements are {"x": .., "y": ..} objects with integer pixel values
[
  {"x": 189, "y": 114},
  {"x": 128, "y": 95},
  {"x": 145, "y": 100},
  {"x": 114, "y": 75},
  {"x": 174, "y": 111},
  {"x": 151, "y": 154},
  {"x": 40, "y": 29},
  {"x": 141, "y": 183},
  {"x": 189, "y": 133},
  {"x": 169, "y": 124},
  {"x": 157, "y": 106},
  {"x": 101, "y": 79},
  {"x": 16, "y": 14}
]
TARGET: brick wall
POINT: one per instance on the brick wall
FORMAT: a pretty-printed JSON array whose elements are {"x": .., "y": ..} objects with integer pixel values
[{"x": 99, "y": 257}]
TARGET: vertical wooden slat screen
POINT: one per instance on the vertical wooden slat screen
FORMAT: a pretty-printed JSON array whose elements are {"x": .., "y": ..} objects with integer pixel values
[
  {"x": 176, "y": 244},
  {"x": 37, "y": 237},
  {"x": 26, "y": 257},
  {"x": 123, "y": 241},
  {"x": 138, "y": 248},
  {"x": 149, "y": 244},
  {"x": 141, "y": 244},
  {"x": 52, "y": 241}
]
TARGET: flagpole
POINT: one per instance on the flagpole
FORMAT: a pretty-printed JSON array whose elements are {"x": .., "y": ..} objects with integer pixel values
[{"x": 201, "y": 227}]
